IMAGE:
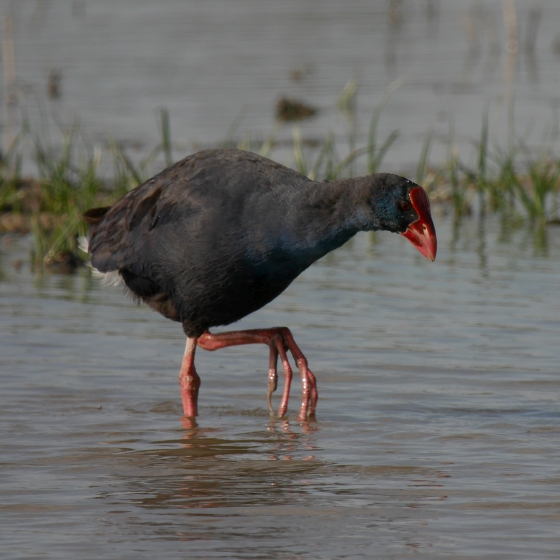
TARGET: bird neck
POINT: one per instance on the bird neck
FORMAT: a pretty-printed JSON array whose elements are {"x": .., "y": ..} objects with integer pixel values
[
  {"x": 332, "y": 213},
  {"x": 343, "y": 205}
]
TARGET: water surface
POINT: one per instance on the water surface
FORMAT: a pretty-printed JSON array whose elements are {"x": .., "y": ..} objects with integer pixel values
[{"x": 438, "y": 420}]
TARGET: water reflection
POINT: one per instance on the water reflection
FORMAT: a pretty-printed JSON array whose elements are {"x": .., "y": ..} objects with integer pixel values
[
  {"x": 530, "y": 234},
  {"x": 540, "y": 237},
  {"x": 393, "y": 39},
  {"x": 289, "y": 442},
  {"x": 207, "y": 468},
  {"x": 481, "y": 249},
  {"x": 531, "y": 34}
]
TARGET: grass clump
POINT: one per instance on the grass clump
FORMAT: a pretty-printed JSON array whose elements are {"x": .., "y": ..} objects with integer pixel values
[
  {"x": 510, "y": 182},
  {"x": 67, "y": 182}
]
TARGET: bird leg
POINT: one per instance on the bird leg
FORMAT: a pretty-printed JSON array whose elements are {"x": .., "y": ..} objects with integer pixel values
[
  {"x": 277, "y": 339},
  {"x": 309, "y": 383},
  {"x": 272, "y": 376},
  {"x": 189, "y": 380}
]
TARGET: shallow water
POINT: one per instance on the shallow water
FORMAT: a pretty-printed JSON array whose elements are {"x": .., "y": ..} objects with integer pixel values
[{"x": 438, "y": 419}]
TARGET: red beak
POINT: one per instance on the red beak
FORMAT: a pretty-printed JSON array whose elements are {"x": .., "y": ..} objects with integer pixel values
[{"x": 422, "y": 233}]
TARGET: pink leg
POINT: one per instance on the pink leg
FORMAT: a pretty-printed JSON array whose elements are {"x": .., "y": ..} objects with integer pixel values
[
  {"x": 189, "y": 380},
  {"x": 309, "y": 383},
  {"x": 272, "y": 376},
  {"x": 283, "y": 408},
  {"x": 277, "y": 338}
]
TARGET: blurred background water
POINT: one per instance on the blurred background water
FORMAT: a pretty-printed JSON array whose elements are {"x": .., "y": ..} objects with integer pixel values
[
  {"x": 215, "y": 63},
  {"x": 438, "y": 420}
]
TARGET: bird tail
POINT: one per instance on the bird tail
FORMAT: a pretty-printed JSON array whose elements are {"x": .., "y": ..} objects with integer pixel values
[{"x": 94, "y": 215}]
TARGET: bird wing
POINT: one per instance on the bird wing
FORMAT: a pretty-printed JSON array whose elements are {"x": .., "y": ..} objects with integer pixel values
[{"x": 117, "y": 241}]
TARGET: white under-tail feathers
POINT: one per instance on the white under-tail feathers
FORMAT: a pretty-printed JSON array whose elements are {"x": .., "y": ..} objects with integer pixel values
[{"x": 112, "y": 278}]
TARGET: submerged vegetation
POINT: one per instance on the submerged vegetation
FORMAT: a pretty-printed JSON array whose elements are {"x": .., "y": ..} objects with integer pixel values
[{"x": 512, "y": 181}]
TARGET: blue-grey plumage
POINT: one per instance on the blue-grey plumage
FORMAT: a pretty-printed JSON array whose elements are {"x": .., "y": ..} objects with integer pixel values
[{"x": 221, "y": 233}]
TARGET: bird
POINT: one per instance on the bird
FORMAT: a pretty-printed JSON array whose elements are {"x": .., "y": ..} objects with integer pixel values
[{"x": 223, "y": 232}]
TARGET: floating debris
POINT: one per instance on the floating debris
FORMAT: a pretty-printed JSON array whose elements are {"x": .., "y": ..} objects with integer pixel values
[{"x": 288, "y": 109}]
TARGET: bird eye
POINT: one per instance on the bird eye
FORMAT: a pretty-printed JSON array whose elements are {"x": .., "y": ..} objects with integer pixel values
[{"x": 405, "y": 206}]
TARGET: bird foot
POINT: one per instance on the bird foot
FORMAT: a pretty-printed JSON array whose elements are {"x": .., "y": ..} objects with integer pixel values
[{"x": 279, "y": 340}]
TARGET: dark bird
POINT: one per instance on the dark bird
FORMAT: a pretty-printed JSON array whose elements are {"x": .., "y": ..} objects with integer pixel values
[{"x": 221, "y": 233}]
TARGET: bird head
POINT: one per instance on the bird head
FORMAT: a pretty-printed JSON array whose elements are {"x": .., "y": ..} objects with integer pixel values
[
  {"x": 404, "y": 207},
  {"x": 421, "y": 231}
]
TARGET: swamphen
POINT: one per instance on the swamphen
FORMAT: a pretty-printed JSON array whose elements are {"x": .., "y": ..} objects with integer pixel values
[{"x": 221, "y": 233}]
